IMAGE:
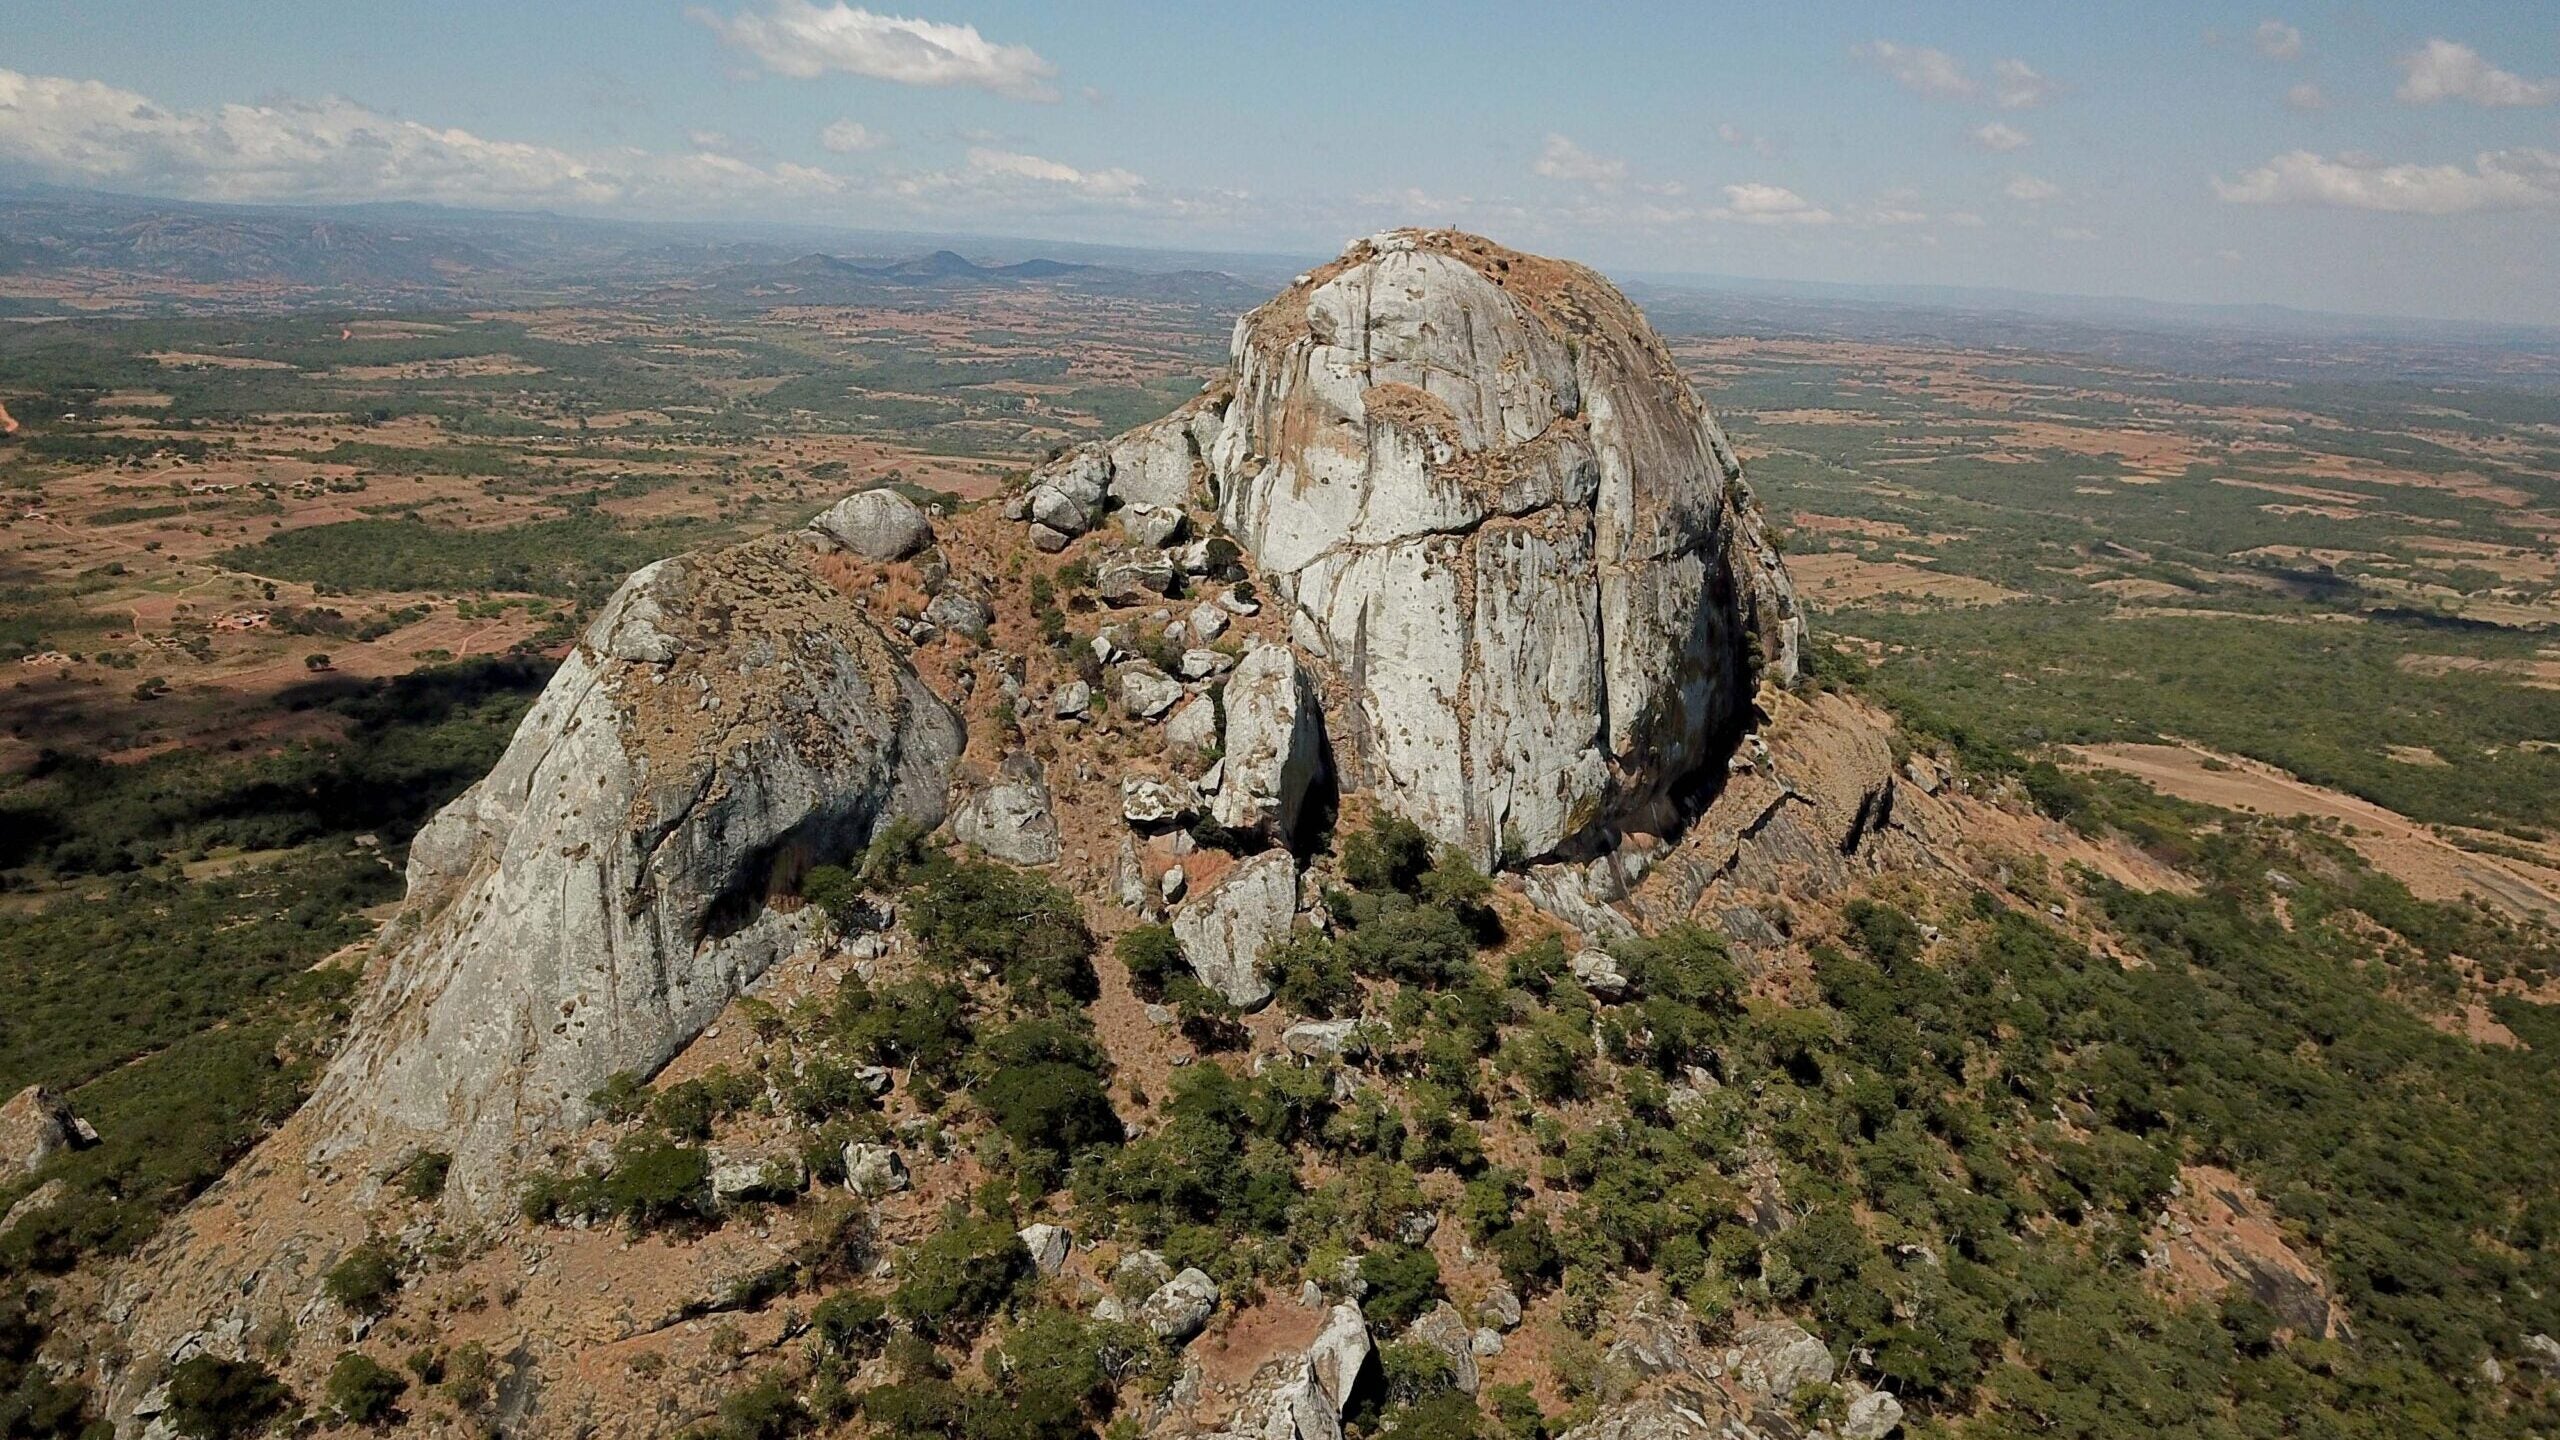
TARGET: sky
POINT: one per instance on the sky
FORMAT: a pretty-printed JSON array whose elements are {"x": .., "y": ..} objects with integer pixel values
[{"x": 2377, "y": 158}]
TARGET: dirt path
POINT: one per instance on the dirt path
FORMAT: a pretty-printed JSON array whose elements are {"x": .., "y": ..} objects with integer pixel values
[{"x": 2432, "y": 867}]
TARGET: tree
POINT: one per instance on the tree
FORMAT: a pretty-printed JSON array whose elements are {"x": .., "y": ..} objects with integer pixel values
[
  {"x": 363, "y": 1391},
  {"x": 211, "y": 1398}
]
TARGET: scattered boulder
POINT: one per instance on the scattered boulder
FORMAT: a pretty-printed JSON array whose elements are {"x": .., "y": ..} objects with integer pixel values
[
  {"x": 1181, "y": 1307},
  {"x": 879, "y": 525},
  {"x": 1274, "y": 747},
  {"x": 1341, "y": 1350},
  {"x": 1151, "y": 526},
  {"x": 1226, "y": 928},
  {"x": 1048, "y": 1245},
  {"x": 1148, "y": 803},
  {"x": 961, "y": 614},
  {"x": 1153, "y": 465},
  {"x": 1133, "y": 580},
  {"x": 1048, "y": 539},
  {"x": 775, "y": 1174},
  {"x": 1597, "y": 971},
  {"x": 1320, "y": 1039},
  {"x": 1208, "y": 622},
  {"x": 872, "y": 1171},
  {"x": 2541, "y": 1355},
  {"x": 1501, "y": 1309},
  {"x": 1194, "y": 726},
  {"x": 1145, "y": 691},
  {"x": 1445, "y": 1330},
  {"x": 1200, "y": 664},
  {"x": 1871, "y": 1416},
  {"x": 1072, "y": 700},
  {"x": 1775, "y": 1358},
  {"x": 35, "y": 1202},
  {"x": 35, "y": 1125},
  {"x": 1651, "y": 1343},
  {"x": 1141, "y": 1271},
  {"x": 1010, "y": 818},
  {"x": 1060, "y": 512}
]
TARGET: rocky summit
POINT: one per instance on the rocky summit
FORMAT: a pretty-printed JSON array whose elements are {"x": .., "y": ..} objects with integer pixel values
[{"x": 1448, "y": 572}]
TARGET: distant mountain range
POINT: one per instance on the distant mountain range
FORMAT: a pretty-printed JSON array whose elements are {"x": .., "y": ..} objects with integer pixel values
[{"x": 78, "y": 243}]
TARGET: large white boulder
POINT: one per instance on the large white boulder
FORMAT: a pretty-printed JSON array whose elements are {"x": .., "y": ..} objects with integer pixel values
[
  {"x": 876, "y": 525},
  {"x": 1518, "y": 550}
]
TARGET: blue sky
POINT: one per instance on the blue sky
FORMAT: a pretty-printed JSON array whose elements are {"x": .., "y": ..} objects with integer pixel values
[{"x": 2379, "y": 157}]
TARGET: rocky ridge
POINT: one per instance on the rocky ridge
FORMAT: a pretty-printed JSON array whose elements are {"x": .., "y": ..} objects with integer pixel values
[{"x": 1452, "y": 541}]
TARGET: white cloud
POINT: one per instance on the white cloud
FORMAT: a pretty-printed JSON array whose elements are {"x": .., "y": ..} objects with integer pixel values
[
  {"x": 2443, "y": 70},
  {"x": 2000, "y": 139},
  {"x": 805, "y": 41},
  {"x": 1920, "y": 69},
  {"x": 2496, "y": 180},
  {"x": 2075, "y": 233},
  {"x": 2278, "y": 41},
  {"x": 2017, "y": 86},
  {"x": 1757, "y": 204},
  {"x": 847, "y": 137},
  {"x": 1965, "y": 219},
  {"x": 83, "y": 131},
  {"x": 1561, "y": 159},
  {"x": 2306, "y": 96},
  {"x": 2030, "y": 189},
  {"x": 1015, "y": 165}
]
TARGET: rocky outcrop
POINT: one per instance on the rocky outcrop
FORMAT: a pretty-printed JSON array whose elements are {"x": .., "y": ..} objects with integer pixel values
[
  {"x": 1010, "y": 816},
  {"x": 1274, "y": 744},
  {"x": 36, "y": 1125},
  {"x": 1225, "y": 929},
  {"x": 1519, "y": 551},
  {"x": 593, "y": 903}
]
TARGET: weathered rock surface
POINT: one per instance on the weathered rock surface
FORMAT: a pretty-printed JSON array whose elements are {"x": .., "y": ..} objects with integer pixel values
[
  {"x": 1274, "y": 746},
  {"x": 1011, "y": 818},
  {"x": 1145, "y": 691},
  {"x": 1181, "y": 1307},
  {"x": 1226, "y": 928},
  {"x": 1445, "y": 1330},
  {"x": 1518, "y": 549},
  {"x": 872, "y": 1171},
  {"x": 876, "y": 525},
  {"x": 35, "y": 1125},
  {"x": 590, "y": 905},
  {"x": 1048, "y": 1245},
  {"x": 1774, "y": 1359},
  {"x": 1657, "y": 1417}
]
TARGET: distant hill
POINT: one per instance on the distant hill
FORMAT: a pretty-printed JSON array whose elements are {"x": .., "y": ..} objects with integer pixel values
[
  {"x": 81, "y": 243},
  {"x": 821, "y": 279}
]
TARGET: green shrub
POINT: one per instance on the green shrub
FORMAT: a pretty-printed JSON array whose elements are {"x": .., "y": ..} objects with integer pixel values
[
  {"x": 363, "y": 1391},
  {"x": 365, "y": 1279},
  {"x": 851, "y": 1324},
  {"x": 423, "y": 1177},
  {"x": 655, "y": 1182},
  {"x": 972, "y": 913},
  {"x": 1403, "y": 1282},
  {"x": 215, "y": 1399},
  {"x": 953, "y": 1282},
  {"x": 1153, "y": 957}
]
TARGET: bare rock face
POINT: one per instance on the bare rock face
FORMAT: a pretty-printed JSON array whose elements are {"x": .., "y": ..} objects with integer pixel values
[
  {"x": 1010, "y": 817},
  {"x": 1518, "y": 550},
  {"x": 1225, "y": 929},
  {"x": 1274, "y": 745},
  {"x": 594, "y": 902}
]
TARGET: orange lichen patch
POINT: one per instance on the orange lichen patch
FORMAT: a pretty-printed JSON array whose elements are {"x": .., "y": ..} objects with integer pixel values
[
  {"x": 2432, "y": 867},
  {"x": 2220, "y": 1235}
]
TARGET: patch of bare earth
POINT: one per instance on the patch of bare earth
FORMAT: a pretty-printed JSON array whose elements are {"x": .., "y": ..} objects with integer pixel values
[{"x": 2432, "y": 867}]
